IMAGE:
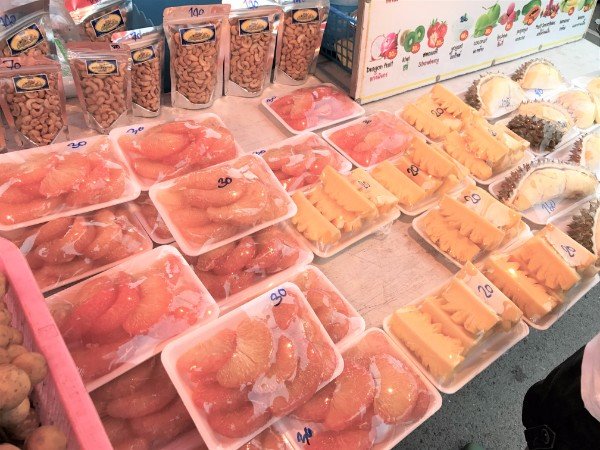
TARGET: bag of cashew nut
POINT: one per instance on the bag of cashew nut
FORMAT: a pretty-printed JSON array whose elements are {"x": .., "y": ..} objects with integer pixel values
[
  {"x": 198, "y": 37},
  {"x": 25, "y": 28},
  {"x": 248, "y": 64},
  {"x": 32, "y": 98},
  {"x": 298, "y": 49},
  {"x": 147, "y": 57},
  {"x": 100, "y": 20},
  {"x": 101, "y": 72}
]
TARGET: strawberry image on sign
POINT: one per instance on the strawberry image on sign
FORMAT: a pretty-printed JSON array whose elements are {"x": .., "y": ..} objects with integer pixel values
[{"x": 436, "y": 33}]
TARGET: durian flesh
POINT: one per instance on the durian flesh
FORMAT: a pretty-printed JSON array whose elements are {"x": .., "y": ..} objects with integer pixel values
[
  {"x": 541, "y": 74},
  {"x": 581, "y": 105},
  {"x": 548, "y": 111},
  {"x": 498, "y": 95}
]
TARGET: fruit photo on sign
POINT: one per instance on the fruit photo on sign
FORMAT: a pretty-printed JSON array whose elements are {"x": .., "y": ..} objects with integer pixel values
[
  {"x": 436, "y": 33},
  {"x": 586, "y": 5},
  {"x": 509, "y": 17},
  {"x": 551, "y": 9},
  {"x": 569, "y": 6},
  {"x": 411, "y": 39},
  {"x": 487, "y": 21},
  {"x": 531, "y": 11},
  {"x": 384, "y": 46}
]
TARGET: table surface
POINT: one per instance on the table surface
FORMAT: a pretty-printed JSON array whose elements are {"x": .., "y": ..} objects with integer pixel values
[{"x": 393, "y": 267}]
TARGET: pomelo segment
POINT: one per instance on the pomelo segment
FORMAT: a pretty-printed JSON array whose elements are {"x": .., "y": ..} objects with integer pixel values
[
  {"x": 162, "y": 426},
  {"x": 349, "y": 439},
  {"x": 315, "y": 410},
  {"x": 397, "y": 390},
  {"x": 155, "y": 298},
  {"x": 214, "y": 398},
  {"x": 239, "y": 423},
  {"x": 210, "y": 355}
]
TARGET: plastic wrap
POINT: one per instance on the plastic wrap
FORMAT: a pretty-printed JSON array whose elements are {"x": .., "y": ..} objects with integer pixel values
[
  {"x": 198, "y": 37},
  {"x": 69, "y": 249},
  {"x": 544, "y": 276},
  {"x": 299, "y": 46},
  {"x": 312, "y": 108},
  {"x": 545, "y": 187},
  {"x": 341, "y": 210},
  {"x": 249, "y": 60},
  {"x": 371, "y": 139},
  {"x": 468, "y": 225},
  {"x": 99, "y": 20},
  {"x": 121, "y": 317},
  {"x": 298, "y": 161},
  {"x": 494, "y": 95},
  {"x": 141, "y": 409},
  {"x": 582, "y": 105},
  {"x": 583, "y": 150},
  {"x": 239, "y": 271},
  {"x": 150, "y": 219},
  {"x": 33, "y": 100},
  {"x": 379, "y": 398},
  {"x": 161, "y": 151},
  {"x": 539, "y": 78},
  {"x": 458, "y": 330},
  {"x": 215, "y": 206},
  {"x": 147, "y": 61},
  {"x": 102, "y": 75},
  {"x": 240, "y": 374},
  {"x": 26, "y": 29},
  {"x": 45, "y": 183}
]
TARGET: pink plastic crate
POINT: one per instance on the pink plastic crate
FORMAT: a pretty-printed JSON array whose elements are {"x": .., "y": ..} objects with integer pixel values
[{"x": 61, "y": 399}]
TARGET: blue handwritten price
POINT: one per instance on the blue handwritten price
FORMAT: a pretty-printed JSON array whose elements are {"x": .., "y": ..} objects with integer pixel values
[
  {"x": 486, "y": 290},
  {"x": 277, "y": 296},
  {"x": 222, "y": 182},
  {"x": 260, "y": 152},
  {"x": 7, "y": 20},
  {"x": 135, "y": 130},
  {"x": 135, "y": 35},
  {"x": 568, "y": 250},
  {"x": 413, "y": 170},
  {"x": 549, "y": 206},
  {"x": 251, "y": 4},
  {"x": 304, "y": 437},
  {"x": 364, "y": 184},
  {"x": 12, "y": 64},
  {"x": 539, "y": 92},
  {"x": 77, "y": 144},
  {"x": 367, "y": 121},
  {"x": 473, "y": 198},
  {"x": 196, "y": 12},
  {"x": 270, "y": 100}
]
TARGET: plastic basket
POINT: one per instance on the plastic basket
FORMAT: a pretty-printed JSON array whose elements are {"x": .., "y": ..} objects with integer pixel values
[
  {"x": 61, "y": 399},
  {"x": 339, "y": 38}
]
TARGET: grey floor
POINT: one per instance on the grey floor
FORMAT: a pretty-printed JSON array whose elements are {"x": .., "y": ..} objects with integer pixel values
[{"x": 488, "y": 409}]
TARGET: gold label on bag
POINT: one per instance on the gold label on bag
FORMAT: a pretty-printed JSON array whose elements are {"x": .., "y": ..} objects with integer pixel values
[
  {"x": 197, "y": 35},
  {"x": 306, "y": 15},
  {"x": 253, "y": 26},
  {"x": 107, "y": 23},
  {"x": 102, "y": 67},
  {"x": 30, "y": 83},
  {"x": 142, "y": 55},
  {"x": 24, "y": 39}
]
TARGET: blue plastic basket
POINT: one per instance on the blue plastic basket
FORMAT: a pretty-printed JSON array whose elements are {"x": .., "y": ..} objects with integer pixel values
[{"x": 338, "y": 39}]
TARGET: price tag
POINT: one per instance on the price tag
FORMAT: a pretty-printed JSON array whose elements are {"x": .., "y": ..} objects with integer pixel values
[
  {"x": 485, "y": 290},
  {"x": 277, "y": 296}
]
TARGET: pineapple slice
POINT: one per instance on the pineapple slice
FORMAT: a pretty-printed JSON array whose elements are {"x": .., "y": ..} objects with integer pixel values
[
  {"x": 417, "y": 174},
  {"x": 341, "y": 190},
  {"x": 430, "y": 159},
  {"x": 430, "y": 125},
  {"x": 375, "y": 192},
  {"x": 439, "y": 353},
  {"x": 456, "y": 147},
  {"x": 408, "y": 192},
  {"x": 572, "y": 251},
  {"x": 451, "y": 103},
  {"x": 531, "y": 297},
  {"x": 449, "y": 240},
  {"x": 334, "y": 213},
  {"x": 433, "y": 307},
  {"x": 492, "y": 210},
  {"x": 309, "y": 221},
  {"x": 486, "y": 146}
]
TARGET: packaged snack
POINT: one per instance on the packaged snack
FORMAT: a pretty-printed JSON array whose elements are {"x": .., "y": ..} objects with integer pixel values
[
  {"x": 298, "y": 48},
  {"x": 467, "y": 226},
  {"x": 341, "y": 210},
  {"x": 147, "y": 57},
  {"x": 101, "y": 18},
  {"x": 494, "y": 95},
  {"x": 240, "y": 270},
  {"x": 215, "y": 206},
  {"x": 545, "y": 187},
  {"x": 42, "y": 184},
  {"x": 69, "y": 249},
  {"x": 115, "y": 320},
  {"x": 101, "y": 72},
  {"x": 420, "y": 176},
  {"x": 243, "y": 372},
  {"x": 458, "y": 330},
  {"x": 543, "y": 124},
  {"x": 379, "y": 398},
  {"x": 538, "y": 74},
  {"x": 161, "y": 151},
  {"x": 544, "y": 276},
  {"x": 33, "y": 100},
  {"x": 150, "y": 219},
  {"x": 581, "y": 104},
  {"x": 312, "y": 108},
  {"x": 26, "y": 29},
  {"x": 298, "y": 161},
  {"x": 249, "y": 61},
  {"x": 141, "y": 409},
  {"x": 198, "y": 37},
  {"x": 337, "y": 315}
]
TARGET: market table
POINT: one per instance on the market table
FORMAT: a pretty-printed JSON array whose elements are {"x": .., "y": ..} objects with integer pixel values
[{"x": 393, "y": 267}]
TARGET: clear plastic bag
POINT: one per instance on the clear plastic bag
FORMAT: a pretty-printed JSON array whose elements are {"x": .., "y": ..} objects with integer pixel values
[
  {"x": 25, "y": 29},
  {"x": 98, "y": 21}
]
